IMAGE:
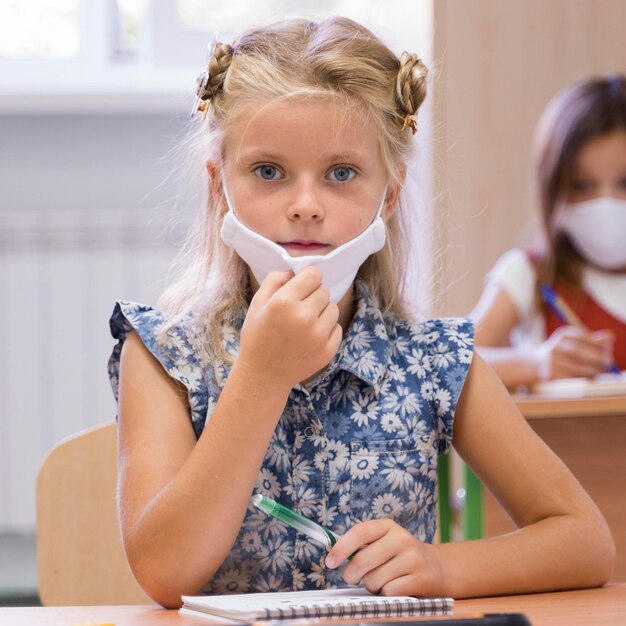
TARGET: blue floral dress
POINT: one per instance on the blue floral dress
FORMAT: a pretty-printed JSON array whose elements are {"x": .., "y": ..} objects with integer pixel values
[{"x": 359, "y": 442}]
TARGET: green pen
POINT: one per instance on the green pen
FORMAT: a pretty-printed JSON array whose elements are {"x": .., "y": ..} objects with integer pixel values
[{"x": 311, "y": 529}]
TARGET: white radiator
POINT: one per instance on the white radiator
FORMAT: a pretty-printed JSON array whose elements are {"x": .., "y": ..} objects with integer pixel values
[{"x": 60, "y": 273}]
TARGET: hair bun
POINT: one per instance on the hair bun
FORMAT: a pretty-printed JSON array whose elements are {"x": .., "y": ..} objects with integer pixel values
[
  {"x": 212, "y": 78},
  {"x": 411, "y": 87}
]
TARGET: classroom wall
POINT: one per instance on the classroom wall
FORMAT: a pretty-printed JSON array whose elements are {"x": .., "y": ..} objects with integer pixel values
[
  {"x": 85, "y": 218},
  {"x": 498, "y": 65}
]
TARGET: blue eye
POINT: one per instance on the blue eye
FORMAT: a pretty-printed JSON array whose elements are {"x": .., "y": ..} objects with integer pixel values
[
  {"x": 267, "y": 172},
  {"x": 342, "y": 173}
]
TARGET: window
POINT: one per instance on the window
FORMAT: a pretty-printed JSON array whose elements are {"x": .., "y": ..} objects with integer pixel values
[
  {"x": 145, "y": 55},
  {"x": 39, "y": 29}
]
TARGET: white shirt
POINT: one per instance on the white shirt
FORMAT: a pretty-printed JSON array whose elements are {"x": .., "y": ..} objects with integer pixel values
[{"x": 515, "y": 274}]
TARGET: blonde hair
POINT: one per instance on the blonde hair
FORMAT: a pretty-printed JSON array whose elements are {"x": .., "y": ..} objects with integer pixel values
[{"x": 336, "y": 57}]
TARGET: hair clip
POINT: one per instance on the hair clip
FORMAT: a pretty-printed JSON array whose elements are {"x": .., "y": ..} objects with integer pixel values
[
  {"x": 202, "y": 95},
  {"x": 411, "y": 122}
]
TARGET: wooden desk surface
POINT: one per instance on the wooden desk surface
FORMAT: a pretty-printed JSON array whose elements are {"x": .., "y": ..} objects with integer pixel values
[
  {"x": 543, "y": 407},
  {"x": 591, "y": 607}
]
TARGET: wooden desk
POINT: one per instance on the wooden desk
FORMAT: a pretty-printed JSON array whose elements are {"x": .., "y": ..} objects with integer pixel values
[
  {"x": 589, "y": 435},
  {"x": 538, "y": 407},
  {"x": 592, "y": 607}
]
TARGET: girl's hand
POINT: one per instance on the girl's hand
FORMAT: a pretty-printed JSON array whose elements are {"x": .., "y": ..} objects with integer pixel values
[
  {"x": 291, "y": 330},
  {"x": 572, "y": 352},
  {"x": 390, "y": 560}
]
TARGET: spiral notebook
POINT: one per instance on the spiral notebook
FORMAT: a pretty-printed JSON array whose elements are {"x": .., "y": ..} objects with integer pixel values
[{"x": 352, "y": 603}]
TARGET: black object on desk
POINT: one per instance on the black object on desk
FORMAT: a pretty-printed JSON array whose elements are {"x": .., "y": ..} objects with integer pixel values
[{"x": 488, "y": 619}]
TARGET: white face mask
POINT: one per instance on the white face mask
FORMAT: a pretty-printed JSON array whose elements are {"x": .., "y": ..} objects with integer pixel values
[
  {"x": 338, "y": 267},
  {"x": 598, "y": 230}
]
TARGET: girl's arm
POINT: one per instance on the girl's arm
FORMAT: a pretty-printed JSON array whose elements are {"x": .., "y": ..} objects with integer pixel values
[
  {"x": 495, "y": 316},
  {"x": 562, "y": 540},
  {"x": 181, "y": 501},
  {"x": 569, "y": 352}
]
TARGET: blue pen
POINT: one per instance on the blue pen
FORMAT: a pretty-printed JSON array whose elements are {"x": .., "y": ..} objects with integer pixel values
[
  {"x": 565, "y": 314},
  {"x": 550, "y": 298}
]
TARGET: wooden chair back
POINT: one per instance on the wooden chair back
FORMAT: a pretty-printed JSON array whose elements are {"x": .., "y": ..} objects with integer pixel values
[{"x": 79, "y": 546}]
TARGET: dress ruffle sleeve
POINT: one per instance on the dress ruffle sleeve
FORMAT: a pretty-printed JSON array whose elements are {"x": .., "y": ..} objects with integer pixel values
[
  {"x": 178, "y": 349},
  {"x": 449, "y": 346}
]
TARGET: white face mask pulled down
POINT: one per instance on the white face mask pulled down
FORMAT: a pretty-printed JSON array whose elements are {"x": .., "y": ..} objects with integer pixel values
[
  {"x": 597, "y": 228},
  {"x": 338, "y": 267}
]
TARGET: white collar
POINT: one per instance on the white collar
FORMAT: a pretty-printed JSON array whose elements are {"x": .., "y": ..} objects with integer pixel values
[{"x": 608, "y": 289}]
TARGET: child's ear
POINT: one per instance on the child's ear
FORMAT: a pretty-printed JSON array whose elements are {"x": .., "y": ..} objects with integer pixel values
[
  {"x": 214, "y": 170},
  {"x": 393, "y": 194}
]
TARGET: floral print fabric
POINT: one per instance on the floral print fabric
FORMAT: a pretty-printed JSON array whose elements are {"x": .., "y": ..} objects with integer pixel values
[{"x": 359, "y": 442}]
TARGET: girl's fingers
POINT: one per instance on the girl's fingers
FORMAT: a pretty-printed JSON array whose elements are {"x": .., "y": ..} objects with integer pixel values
[
  {"x": 303, "y": 284},
  {"x": 576, "y": 365},
  {"x": 575, "y": 370},
  {"x": 390, "y": 559},
  {"x": 387, "y": 573},
  {"x": 406, "y": 585},
  {"x": 580, "y": 353},
  {"x": 588, "y": 360},
  {"x": 604, "y": 337},
  {"x": 394, "y": 555},
  {"x": 271, "y": 284},
  {"x": 335, "y": 338},
  {"x": 329, "y": 316},
  {"x": 358, "y": 536},
  {"x": 368, "y": 560},
  {"x": 319, "y": 298}
]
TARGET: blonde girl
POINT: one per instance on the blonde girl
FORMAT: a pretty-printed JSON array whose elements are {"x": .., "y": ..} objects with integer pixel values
[{"x": 285, "y": 361}]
